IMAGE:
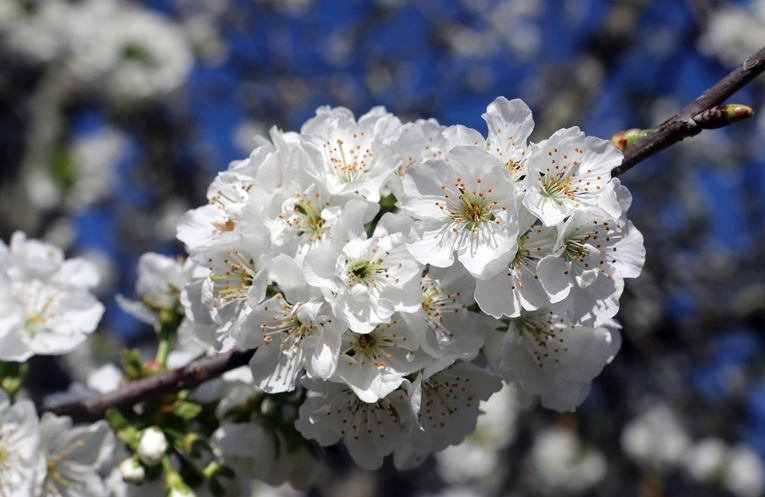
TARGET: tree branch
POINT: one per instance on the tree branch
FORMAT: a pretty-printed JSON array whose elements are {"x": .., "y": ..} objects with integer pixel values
[
  {"x": 190, "y": 376},
  {"x": 682, "y": 125}
]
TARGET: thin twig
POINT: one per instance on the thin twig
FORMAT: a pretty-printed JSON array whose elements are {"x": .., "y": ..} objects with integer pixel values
[
  {"x": 190, "y": 376},
  {"x": 682, "y": 124}
]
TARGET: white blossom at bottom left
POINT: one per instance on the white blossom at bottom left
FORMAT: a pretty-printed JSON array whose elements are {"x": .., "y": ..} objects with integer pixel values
[
  {"x": 50, "y": 457},
  {"x": 22, "y": 468}
]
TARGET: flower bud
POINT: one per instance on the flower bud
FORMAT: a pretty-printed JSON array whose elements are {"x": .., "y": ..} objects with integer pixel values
[
  {"x": 152, "y": 446},
  {"x": 132, "y": 471}
]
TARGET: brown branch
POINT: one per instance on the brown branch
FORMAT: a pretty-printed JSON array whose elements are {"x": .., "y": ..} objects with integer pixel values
[
  {"x": 682, "y": 125},
  {"x": 190, "y": 376}
]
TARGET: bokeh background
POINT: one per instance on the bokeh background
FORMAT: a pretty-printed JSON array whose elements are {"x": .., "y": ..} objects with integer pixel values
[{"x": 116, "y": 115}]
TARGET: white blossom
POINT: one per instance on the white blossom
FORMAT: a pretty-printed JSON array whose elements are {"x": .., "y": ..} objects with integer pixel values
[
  {"x": 656, "y": 438},
  {"x": 509, "y": 125},
  {"x": 376, "y": 314},
  {"x": 126, "y": 51},
  {"x": 161, "y": 279},
  {"x": 73, "y": 456},
  {"x": 374, "y": 364},
  {"x": 591, "y": 251},
  {"x": 352, "y": 155},
  {"x": 292, "y": 331},
  {"x": 201, "y": 228},
  {"x": 48, "y": 306},
  {"x": 249, "y": 448},
  {"x": 445, "y": 401},
  {"x": 302, "y": 211},
  {"x": 22, "y": 466},
  {"x": 570, "y": 172},
  {"x": 517, "y": 286},
  {"x": 94, "y": 158},
  {"x": 415, "y": 143},
  {"x": 370, "y": 431},
  {"x": 548, "y": 355},
  {"x": 299, "y": 466},
  {"x": 738, "y": 469},
  {"x": 443, "y": 320},
  {"x": 480, "y": 454},
  {"x": 562, "y": 464},
  {"x": 746, "y": 472},
  {"x": 465, "y": 205},
  {"x": 366, "y": 280},
  {"x": 734, "y": 32},
  {"x": 237, "y": 280},
  {"x": 35, "y": 30}
]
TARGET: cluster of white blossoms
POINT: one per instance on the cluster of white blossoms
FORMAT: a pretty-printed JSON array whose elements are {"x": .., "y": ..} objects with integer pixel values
[
  {"x": 381, "y": 265},
  {"x": 119, "y": 49}
]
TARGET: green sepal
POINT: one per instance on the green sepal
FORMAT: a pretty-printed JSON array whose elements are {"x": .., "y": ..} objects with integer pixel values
[
  {"x": 127, "y": 430},
  {"x": 132, "y": 364},
  {"x": 12, "y": 376}
]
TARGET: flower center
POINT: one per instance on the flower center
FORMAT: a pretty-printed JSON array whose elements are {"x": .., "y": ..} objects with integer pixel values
[
  {"x": 557, "y": 189},
  {"x": 363, "y": 271},
  {"x": 289, "y": 330},
  {"x": 371, "y": 346},
  {"x": 473, "y": 209},
  {"x": 544, "y": 334},
  {"x": 234, "y": 282},
  {"x": 350, "y": 164},
  {"x": 576, "y": 248},
  {"x": 314, "y": 224},
  {"x": 516, "y": 169}
]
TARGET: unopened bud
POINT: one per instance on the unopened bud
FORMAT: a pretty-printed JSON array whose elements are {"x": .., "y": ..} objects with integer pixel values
[
  {"x": 723, "y": 115},
  {"x": 152, "y": 446},
  {"x": 153, "y": 367},
  {"x": 132, "y": 471},
  {"x": 626, "y": 138}
]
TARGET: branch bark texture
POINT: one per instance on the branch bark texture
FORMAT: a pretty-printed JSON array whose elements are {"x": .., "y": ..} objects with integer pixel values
[
  {"x": 190, "y": 376},
  {"x": 682, "y": 125}
]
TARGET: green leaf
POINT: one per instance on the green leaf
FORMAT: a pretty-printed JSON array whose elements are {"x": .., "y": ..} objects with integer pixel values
[{"x": 186, "y": 410}]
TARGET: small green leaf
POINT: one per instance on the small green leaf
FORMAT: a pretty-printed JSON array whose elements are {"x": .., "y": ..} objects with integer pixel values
[{"x": 186, "y": 410}]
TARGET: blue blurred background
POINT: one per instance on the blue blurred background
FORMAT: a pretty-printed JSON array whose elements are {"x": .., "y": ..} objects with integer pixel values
[{"x": 103, "y": 151}]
